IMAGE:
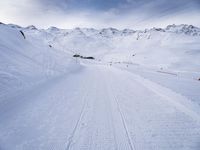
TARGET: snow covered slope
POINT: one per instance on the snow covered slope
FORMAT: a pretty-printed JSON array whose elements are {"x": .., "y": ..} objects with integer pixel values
[
  {"x": 140, "y": 93},
  {"x": 25, "y": 61},
  {"x": 99, "y": 108},
  {"x": 175, "y": 47},
  {"x": 48, "y": 52}
]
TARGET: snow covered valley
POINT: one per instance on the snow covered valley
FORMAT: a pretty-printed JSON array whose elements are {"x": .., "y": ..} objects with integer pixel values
[{"x": 141, "y": 91}]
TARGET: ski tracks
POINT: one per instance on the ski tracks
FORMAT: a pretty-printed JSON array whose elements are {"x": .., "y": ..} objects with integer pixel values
[
  {"x": 104, "y": 108},
  {"x": 121, "y": 115},
  {"x": 78, "y": 122},
  {"x": 156, "y": 121},
  {"x": 104, "y": 127},
  {"x": 85, "y": 100}
]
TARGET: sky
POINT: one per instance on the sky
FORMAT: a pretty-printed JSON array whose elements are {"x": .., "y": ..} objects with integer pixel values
[{"x": 134, "y": 14}]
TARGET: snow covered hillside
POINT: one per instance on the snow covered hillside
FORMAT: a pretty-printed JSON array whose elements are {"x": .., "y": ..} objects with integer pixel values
[
  {"x": 175, "y": 47},
  {"x": 140, "y": 92},
  {"x": 25, "y": 62}
]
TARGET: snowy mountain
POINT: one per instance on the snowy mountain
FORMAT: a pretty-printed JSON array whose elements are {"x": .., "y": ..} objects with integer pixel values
[
  {"x": 141, "y": 90},
  {"x": 184, "y": 29},
  {"x": 176, "y": 44},
  {"x": 175, "y": 47}
]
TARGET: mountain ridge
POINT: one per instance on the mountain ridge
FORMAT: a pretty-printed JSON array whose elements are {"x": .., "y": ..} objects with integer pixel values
[{"x": 181, "y": 28}]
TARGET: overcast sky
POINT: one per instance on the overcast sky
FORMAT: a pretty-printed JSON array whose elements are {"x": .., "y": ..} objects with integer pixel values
[{"x": 135, "y": 14}]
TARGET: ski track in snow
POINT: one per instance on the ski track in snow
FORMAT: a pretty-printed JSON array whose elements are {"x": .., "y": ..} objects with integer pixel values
[
  {"x": 99, "y": 108},
  {"x": 132, "y": 146}
]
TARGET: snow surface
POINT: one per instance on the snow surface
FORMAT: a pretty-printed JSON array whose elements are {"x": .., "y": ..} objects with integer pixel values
[{"x": 140, "y": 93}]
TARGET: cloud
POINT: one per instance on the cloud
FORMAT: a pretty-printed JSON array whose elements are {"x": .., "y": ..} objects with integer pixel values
[{"x": 100, "y": 13}]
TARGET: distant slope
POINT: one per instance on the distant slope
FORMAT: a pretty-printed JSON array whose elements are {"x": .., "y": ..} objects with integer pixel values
[{"x": 174, "y": 47}]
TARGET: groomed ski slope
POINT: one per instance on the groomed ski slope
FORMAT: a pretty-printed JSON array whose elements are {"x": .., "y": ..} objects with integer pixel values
[{"x": 98, "y": 107}]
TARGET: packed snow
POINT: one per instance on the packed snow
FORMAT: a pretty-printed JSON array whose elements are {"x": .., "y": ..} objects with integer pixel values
[{"x": 140, "y": 92}]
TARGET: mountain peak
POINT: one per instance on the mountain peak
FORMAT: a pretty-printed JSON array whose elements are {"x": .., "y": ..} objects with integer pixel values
[
  {"x": 31, "y": 27},
  {"x": 183, "y": 28}
]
